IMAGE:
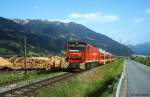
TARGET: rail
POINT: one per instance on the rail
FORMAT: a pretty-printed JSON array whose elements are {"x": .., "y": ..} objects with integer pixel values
[{"x": 28, "y": 89}]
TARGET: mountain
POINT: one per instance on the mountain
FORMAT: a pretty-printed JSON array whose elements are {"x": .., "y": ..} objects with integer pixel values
[
  {"x": 49, "y": 37},
  {"x": 141, "y": 48}
]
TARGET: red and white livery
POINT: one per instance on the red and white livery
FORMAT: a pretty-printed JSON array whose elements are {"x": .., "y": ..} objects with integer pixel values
[{"x": 81, "y": 55}]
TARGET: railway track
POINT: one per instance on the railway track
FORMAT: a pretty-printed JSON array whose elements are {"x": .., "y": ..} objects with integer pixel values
[
  {"x": 20, "y": 72},
  {"x": 28, "y": 89}
]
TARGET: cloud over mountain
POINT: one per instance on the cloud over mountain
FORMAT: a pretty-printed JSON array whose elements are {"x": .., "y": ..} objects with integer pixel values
[{"x": 93, "y": 17}]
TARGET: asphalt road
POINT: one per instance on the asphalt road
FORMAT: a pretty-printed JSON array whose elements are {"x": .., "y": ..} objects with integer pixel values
[{"x": 138, "y": 83}]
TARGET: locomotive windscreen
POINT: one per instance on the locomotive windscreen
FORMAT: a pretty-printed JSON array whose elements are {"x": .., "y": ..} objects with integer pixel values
[{"x": 76, "y": 46}]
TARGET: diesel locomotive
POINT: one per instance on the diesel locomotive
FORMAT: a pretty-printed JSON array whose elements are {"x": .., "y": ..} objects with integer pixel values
[{"x": 81, "y": 55}]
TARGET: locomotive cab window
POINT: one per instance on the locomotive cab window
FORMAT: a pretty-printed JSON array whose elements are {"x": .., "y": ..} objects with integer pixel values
[{"x": 76, "y": 47}]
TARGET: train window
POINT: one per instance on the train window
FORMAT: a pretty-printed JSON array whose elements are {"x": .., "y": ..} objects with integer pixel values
[{"x": 77, "y": 47}]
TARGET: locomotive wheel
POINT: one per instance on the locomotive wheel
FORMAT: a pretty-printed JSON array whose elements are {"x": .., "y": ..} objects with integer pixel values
[
  {"x": 88, "y": 66},
  {"x": 82, "y": 66},
  {"x": 94, "y": 64}
]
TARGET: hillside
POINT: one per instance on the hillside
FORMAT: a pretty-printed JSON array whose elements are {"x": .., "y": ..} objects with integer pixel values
[
  {"x": 49, "y": 37},
  {"x": 141, "y": 48}
]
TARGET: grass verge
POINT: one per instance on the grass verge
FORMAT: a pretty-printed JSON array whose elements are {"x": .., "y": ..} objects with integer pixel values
[
  {"x": 145, "y": 61},
  {"x": 88, "y": 84},
  {"x": 8, "y": 78}
]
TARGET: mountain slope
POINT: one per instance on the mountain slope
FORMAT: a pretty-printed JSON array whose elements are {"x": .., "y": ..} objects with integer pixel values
[
  {"x": 45, "y": 37},
  {"x": 141, "y": 48}
]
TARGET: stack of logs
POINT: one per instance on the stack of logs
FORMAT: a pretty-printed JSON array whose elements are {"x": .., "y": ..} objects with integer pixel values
[{"x": 36, "y": 62}]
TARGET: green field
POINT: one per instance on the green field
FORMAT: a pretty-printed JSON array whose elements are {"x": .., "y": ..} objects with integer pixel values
[
  {"x": 145, "y": 61},
  {"x": 89, "y": 84},
  {"x": 9, "y": 77},
  {"x": 6, "y": 78}
]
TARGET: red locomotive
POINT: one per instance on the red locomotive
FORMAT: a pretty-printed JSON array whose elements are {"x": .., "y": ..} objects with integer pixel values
[{"x": 81, "y": 55}]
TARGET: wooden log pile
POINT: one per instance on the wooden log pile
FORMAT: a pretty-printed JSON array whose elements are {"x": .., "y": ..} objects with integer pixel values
[
  {"x": 51, "y": 62},
  {"x": 4, "y": 63}
]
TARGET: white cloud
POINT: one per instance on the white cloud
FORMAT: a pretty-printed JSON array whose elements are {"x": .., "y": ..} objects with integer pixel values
[
  {"x": 147, "y": 10},
  {"x": 93, "y": 17},
  {"x": 139, "y": 20},
  {"x": 60, "y": 20}
]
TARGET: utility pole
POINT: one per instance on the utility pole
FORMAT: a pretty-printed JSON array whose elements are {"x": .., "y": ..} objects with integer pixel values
[{"x": 25, "y": 61}]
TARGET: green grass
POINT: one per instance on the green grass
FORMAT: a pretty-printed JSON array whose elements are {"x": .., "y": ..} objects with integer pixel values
[
  {"x": 104, "y": 94},
  {"x": 9, "y": 77},
  {"x": 145, "y": 61},
  {"x": 89, "y": 84}
]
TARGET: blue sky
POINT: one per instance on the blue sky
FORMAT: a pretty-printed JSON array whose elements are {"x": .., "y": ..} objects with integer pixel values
[{"x": 127, "y": 21}]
